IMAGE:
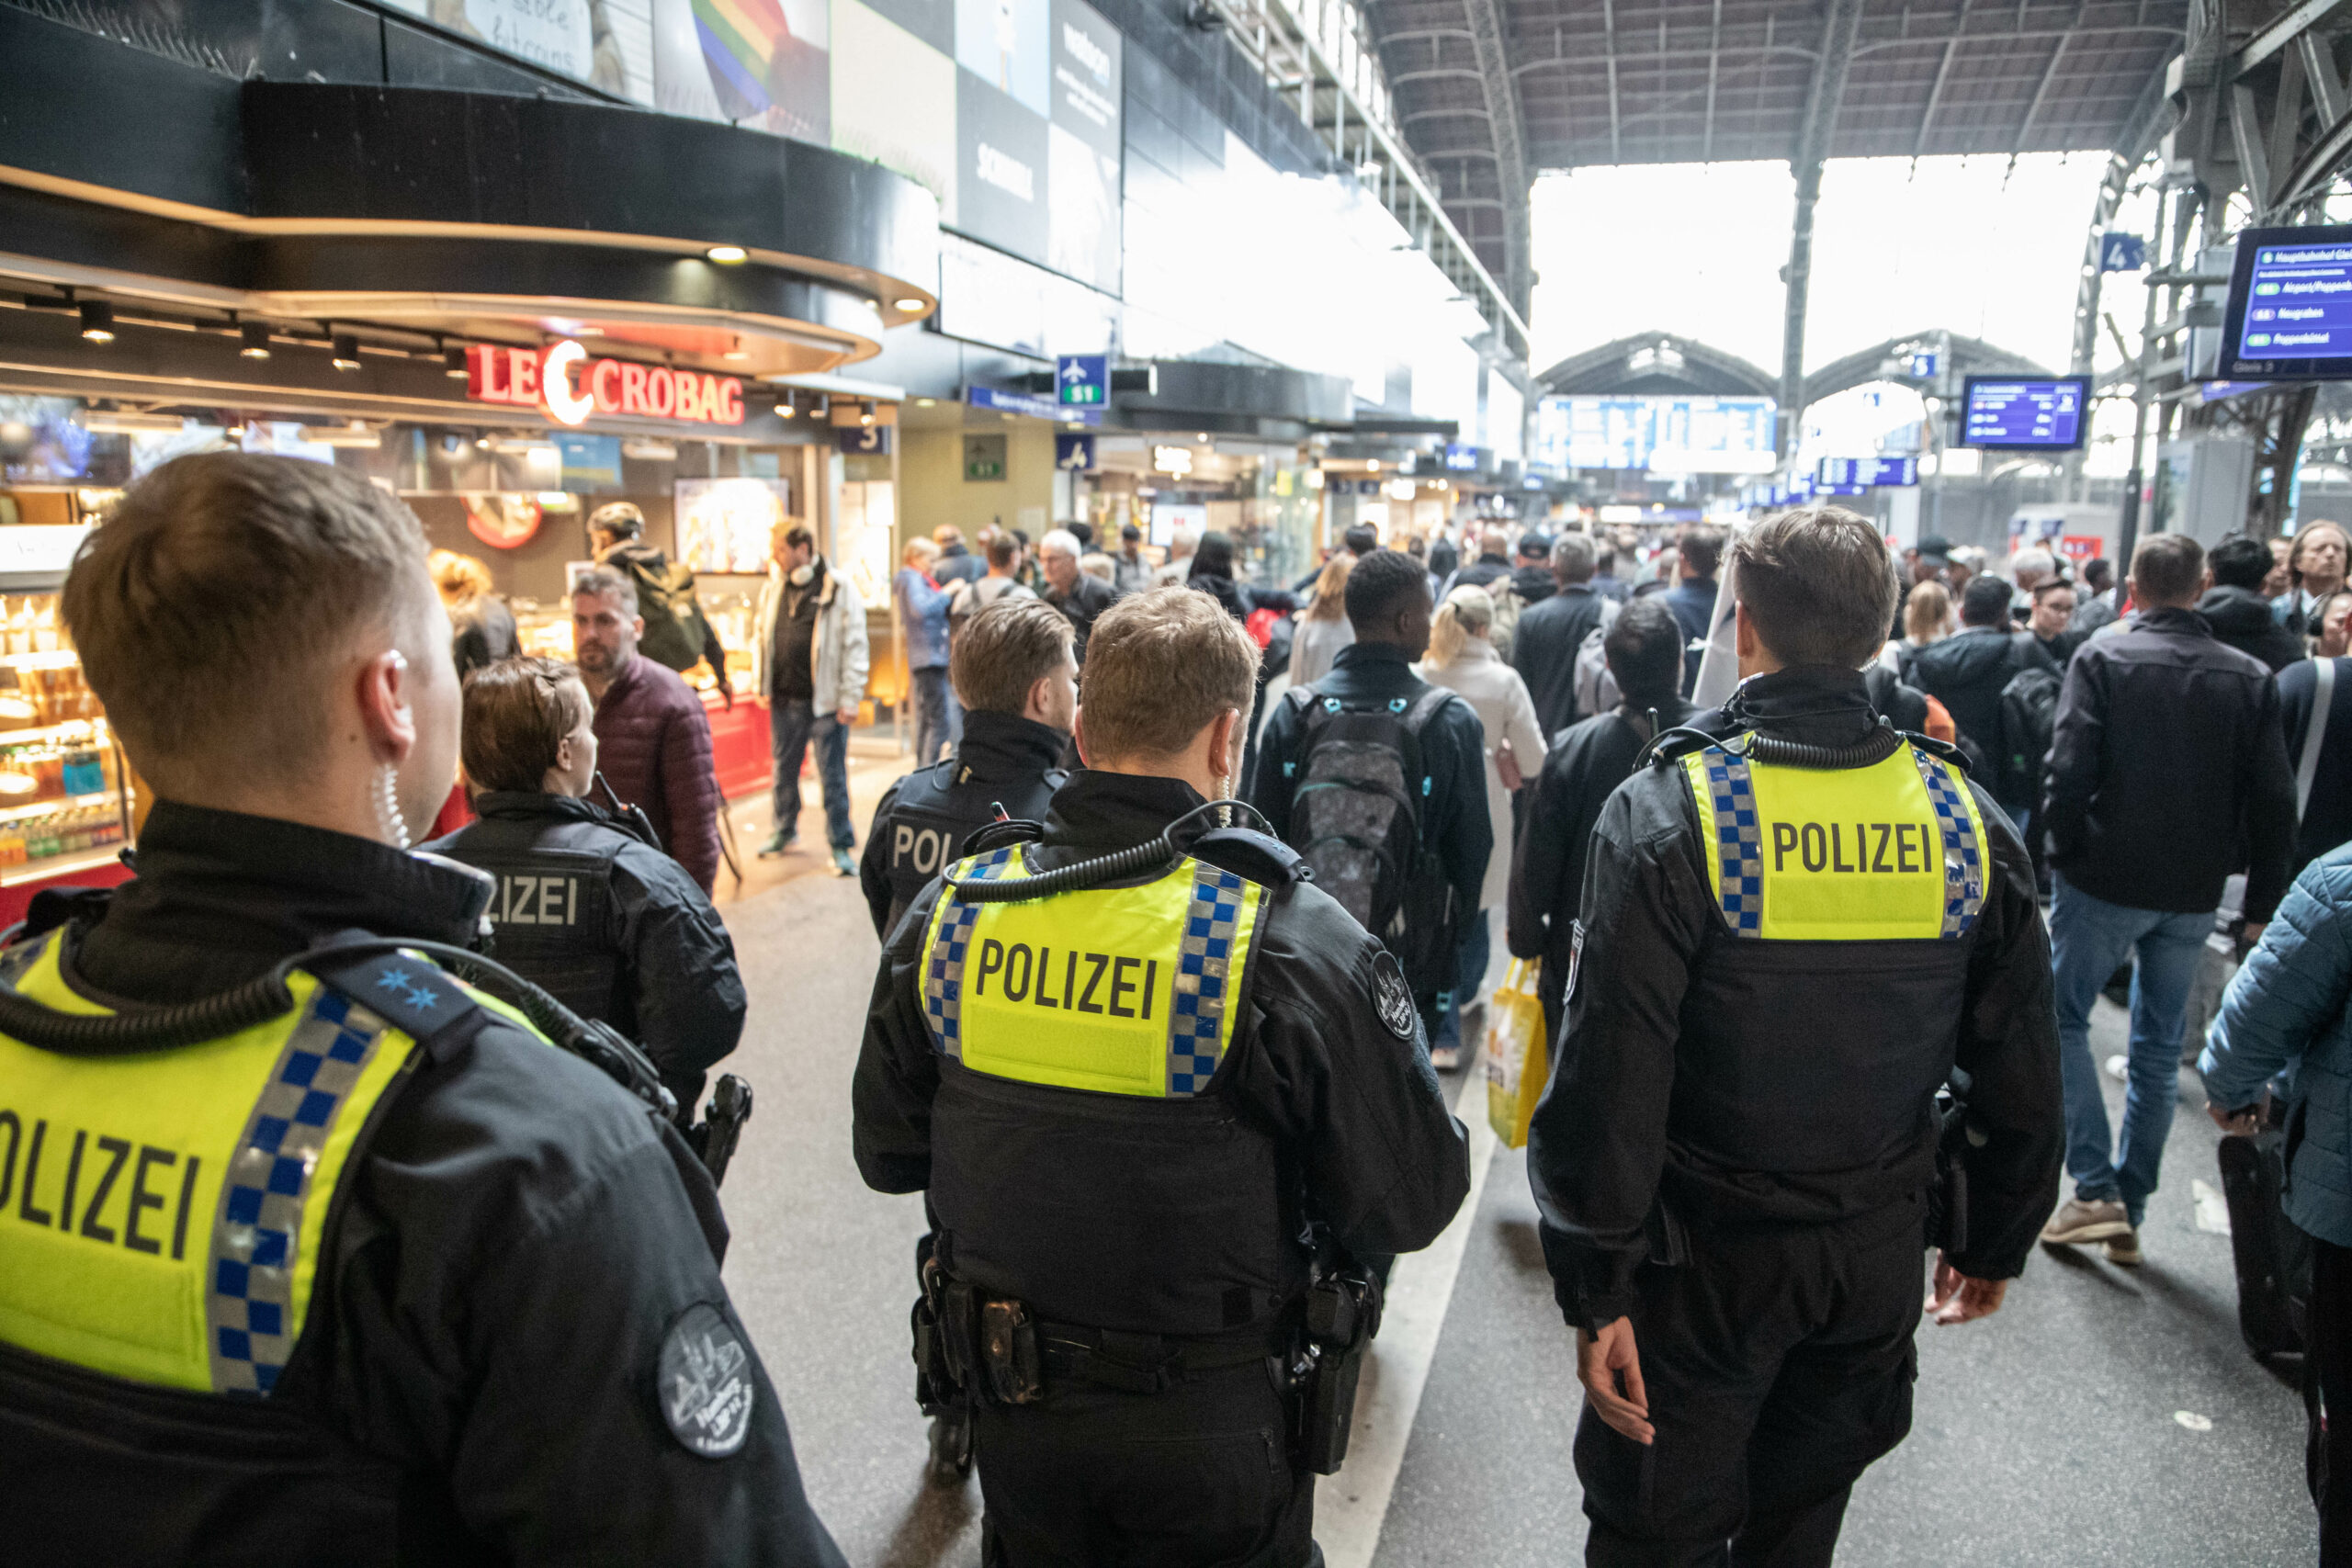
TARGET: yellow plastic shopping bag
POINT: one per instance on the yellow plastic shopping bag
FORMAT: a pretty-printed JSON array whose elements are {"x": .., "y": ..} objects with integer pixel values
[{"x": 1517, "y": 1063}]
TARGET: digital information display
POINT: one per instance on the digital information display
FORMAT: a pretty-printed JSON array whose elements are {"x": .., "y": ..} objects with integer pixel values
[
  {"x": 2290, "y": 314},
  {"x": 1681, "y": 435},
  {"x": 2034, "y": 414},
  {"x": 1868, "y": 471}
]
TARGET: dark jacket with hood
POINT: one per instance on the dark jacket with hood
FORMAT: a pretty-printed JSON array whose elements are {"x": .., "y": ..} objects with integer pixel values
[
  {"x": 1544, "y": 651},
  {"x": 1533, "y": 584},
  {"x": 2242, "y": 618},
  {"x": 1585, "y": 764},
  {"x": 1694, "y": 1073},
  {"x": 635, "y": 556},
  {"x": 2168, "y": 771},
  {"x": 611, "y": 925},
  {"x": 924, "y": 819},
  {"x": 1965, "y": 672}
]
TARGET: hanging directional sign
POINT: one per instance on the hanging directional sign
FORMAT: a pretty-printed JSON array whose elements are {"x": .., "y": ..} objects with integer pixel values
[
  {"x": 1075, "y": 453},
  {"x": 2121, "y": 252},
  {"x": 1083, "y": 381}
]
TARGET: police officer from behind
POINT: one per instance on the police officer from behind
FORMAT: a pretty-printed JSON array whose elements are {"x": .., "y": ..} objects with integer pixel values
[
  {"x": 342, "y": 1266},
  {"x": 1797, "y": 924},
  {"x": 1012, "y": 672},
  {"x": 584, "y": 906},
  {"x": 1129, "y": 1059}
]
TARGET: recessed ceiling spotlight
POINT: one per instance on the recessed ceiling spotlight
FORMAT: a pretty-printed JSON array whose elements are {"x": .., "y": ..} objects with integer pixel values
[
  {"x": 735, "y": 350},
  {"x": 729, "y": 255},
  {"x": 910, "y": 304}
]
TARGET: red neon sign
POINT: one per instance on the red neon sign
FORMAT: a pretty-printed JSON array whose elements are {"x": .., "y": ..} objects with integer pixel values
[{"x": 563, "y": 383}]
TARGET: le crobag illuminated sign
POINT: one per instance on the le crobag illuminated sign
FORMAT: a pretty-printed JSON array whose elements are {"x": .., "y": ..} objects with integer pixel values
[{"x": 562, "y": 382}]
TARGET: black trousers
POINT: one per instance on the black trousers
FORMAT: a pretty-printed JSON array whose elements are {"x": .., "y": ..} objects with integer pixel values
[
  {"x": 1197, "y": 1477},
  {"x": 1779, "y": 1366},
  {"x": 2328, "y": 1369}
]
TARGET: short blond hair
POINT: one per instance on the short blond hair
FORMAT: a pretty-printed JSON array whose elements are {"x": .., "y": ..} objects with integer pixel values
[
  {"x": 919, "y": 554},
  {"x": 1161, "y": 666},
  {"x": 215, "y": 608}
]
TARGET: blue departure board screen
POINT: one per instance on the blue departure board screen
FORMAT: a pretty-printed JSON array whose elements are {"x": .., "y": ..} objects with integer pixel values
[
  {"x": 2289, "y": 313},
  {"x": 1868, "y": 471},
  {"x": 2037, "y": 413},
  {"x": 1677, "y": 435}
]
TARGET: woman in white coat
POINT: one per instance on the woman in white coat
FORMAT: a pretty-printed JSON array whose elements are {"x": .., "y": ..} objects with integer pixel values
[{"x": 1462, "y": 659}]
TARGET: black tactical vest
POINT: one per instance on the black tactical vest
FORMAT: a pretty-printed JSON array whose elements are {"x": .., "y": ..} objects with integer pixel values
[{"x": 922, "y": 829}]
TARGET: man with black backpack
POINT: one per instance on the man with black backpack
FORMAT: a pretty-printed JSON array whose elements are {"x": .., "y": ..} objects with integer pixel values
[
  {"x": 1378, "y": 779},
  {"x": 677, "y": 634}
]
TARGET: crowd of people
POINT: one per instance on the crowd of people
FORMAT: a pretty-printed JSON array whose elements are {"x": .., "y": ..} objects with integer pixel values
[{"x": 1188, "y": 865}]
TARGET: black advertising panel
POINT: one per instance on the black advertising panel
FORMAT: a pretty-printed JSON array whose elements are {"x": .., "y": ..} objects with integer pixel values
[
  {"x": 1082, "y": 186},
  {"x": 1000, "y": 169},
  {"x": 2289, "y": 313},
  {"x": 2027, "y": 413}
]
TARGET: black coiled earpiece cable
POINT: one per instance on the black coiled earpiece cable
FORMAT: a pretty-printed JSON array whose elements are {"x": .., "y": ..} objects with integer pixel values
[{"x": 1149, "y": 854}]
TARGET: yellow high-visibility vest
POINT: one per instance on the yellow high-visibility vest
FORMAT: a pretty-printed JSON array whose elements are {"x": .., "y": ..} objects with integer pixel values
[
  {"x": 161, "y": 1212},
  {"x": 1115, "y": 990},
  {"x": 1890, "y": 853}
]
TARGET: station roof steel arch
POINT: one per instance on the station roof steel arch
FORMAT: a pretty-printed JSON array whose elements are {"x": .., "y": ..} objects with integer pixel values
[
  {"x": 1656, "y": 364},
  {"x": 1970, "y": 356},
  {"x": 1604, "y": 82}
]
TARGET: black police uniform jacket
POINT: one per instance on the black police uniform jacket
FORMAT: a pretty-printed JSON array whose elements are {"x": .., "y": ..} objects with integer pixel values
[
  {"x": 614, "y": 927},
  {"x": 475, "y": 1382},
  {"x": 924, "y": 819},
  {"x": 1182, "y": 1218},
  {"x": 1728, "y": 1082}
]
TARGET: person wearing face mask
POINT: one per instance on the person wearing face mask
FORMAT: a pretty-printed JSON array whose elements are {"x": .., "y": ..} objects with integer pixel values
[
  {"x": 586, "y": 906},
  {"x": 356, "y": 1268},
  {"x": 1096, "y": 1084}
]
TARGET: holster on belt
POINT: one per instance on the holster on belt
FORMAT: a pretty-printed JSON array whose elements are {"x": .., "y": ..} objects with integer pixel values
[{"x": 1342, "y": 1314}]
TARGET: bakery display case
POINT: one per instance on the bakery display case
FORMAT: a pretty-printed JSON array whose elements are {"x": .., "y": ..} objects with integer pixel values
[{"x": 66, "y": 800}]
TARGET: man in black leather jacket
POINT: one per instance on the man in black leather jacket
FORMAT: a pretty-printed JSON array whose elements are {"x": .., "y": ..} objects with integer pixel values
[
  {"x": 1733, "y": 1158},
  {"x": 584, "y": 906},
  {"x": 1014, "y": 672}
]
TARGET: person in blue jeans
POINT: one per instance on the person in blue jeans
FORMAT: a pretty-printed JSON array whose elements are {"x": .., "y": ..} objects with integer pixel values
[
  {"x": 2167, "y": 773},
  {"x": 923, "y": 620},
  {"x": 810, "y": 662}
]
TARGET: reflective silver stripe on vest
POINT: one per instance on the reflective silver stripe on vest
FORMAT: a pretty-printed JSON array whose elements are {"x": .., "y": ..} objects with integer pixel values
[
  {"x": 1739, "y": 842},
  {"x": 1203, "y": 966},
  {"x": 943, "y": 977},
  {"x": 1964, "y": 859},
  {"x": 249, "y": 1295}
]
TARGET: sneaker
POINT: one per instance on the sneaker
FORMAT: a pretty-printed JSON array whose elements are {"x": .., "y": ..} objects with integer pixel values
[
  {"x": 778, "y": 842},
  {"x": 2125, "y": 1249},
  {"x": 1445, "y": 1058},
  {"x": 2078, "y": 1221},
  {"x": 842, "y": 864}
]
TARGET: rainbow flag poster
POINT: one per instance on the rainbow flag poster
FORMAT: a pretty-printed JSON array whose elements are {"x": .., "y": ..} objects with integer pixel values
[{"x": 739, "y": 39}]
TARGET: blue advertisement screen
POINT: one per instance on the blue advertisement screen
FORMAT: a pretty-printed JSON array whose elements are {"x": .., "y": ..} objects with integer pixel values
[
  {"x": 2001, "y": 411},
  {"x": 2298, "y": 303},
  {"x": 1868, "y": 471}
]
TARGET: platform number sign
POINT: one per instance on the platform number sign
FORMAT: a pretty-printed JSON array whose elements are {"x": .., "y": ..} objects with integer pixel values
[{"x": 1083, "y": 381}]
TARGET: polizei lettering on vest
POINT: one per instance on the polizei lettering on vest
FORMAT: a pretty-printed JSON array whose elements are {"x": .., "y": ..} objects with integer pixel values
[
  {"x": 1110, "y": 984},
  {"x": 112, "y": 1208},
  {"x": 537, "y": 901},
  {"x": 1875, "y": 848}
]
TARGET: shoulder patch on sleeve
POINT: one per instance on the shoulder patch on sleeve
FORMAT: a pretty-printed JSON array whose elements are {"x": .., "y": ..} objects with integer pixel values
[
  {"x": 1391, "y": 998},
  {"x": 704, "y": 1384}
]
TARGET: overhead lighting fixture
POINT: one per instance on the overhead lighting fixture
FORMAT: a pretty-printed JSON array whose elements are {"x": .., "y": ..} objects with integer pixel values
[
  {"x": 1374, "y": 465},
  {"x": 535, "y": 447},
  {"x": 735, "y": 350},
  {"x": 122, "y": 421},
  {"x": 252, "y": 340},
  {"x": 343, "y": 352},
  {"x": 926, "y": 402},
  {"x": 729, "y": 255},
  {"x": 453, "y": 363},
  {"x": 649, "y": 451},
  {"x": 97, "y": 320},
  {"x": 1202, "y": 438},
  {"x": 913, "y": 304},
  {"x": 355, "y": 434},
  {"x": 786, "y": 410},
  {"x": 865, "y": 419}
]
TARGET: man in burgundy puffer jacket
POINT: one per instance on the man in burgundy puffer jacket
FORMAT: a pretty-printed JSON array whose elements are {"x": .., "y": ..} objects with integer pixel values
[{"x": 653, "y": 736}]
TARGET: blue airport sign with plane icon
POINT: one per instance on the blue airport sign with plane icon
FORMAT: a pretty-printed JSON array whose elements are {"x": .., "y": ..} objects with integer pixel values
[{"x": 1082, "y": 381}]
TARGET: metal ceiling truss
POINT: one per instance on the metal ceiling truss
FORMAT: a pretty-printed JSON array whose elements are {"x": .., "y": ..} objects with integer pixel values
[
  {"x": 1366, "y": 141},
  {"x": 1822, "y": 101}
]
